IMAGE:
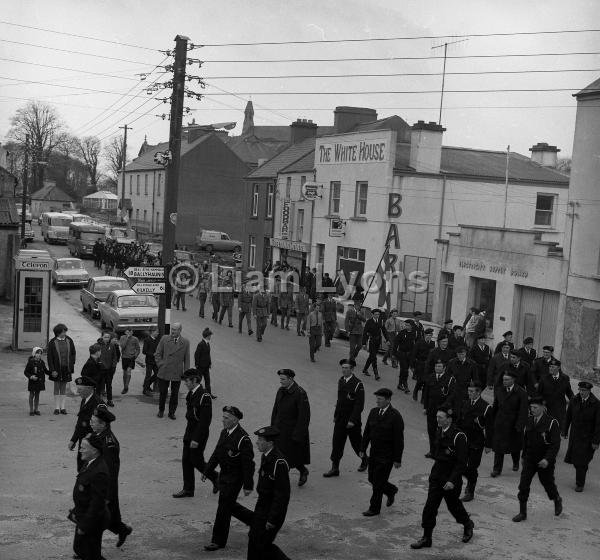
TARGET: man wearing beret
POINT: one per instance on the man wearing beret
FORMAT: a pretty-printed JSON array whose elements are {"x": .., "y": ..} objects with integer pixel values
[
  {"x": 384, "y": 432},
  {"x": 440, "y": 388},
  {"x": 510, "y": 415},
  {"x": 273, "y": 490},
  {"x": 541, "y": 365},
  {"x": 347, "y": 417},
  {"x": 556, "y": 391},
  {"x": 506, "y": 339},
  {"x": 235, "y": 458},
  {"x": 541, "y": 442},
  {"x": 89, "y": 401},
  {"x": 450, "y": 454},
  {"x": 100, "y": 423},
  {"x": 418, "y": 359},
  {"x": 583, "y": 421},
  {"x": 291, "y": 416},
  {"x": 90, "y": 493},
  {"x": 527, "y": 352}
]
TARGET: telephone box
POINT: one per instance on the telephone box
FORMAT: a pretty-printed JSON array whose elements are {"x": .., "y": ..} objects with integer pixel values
[{"x": 31, "y": 320}]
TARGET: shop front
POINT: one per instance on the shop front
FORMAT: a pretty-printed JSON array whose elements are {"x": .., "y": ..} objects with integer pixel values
[{"x": 295, "y": 253}]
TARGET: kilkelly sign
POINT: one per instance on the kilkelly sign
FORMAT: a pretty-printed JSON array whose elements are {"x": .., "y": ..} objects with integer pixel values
[
  {"x": 289, "y": 245},
  {"x": 149, "y": 287},
  {"x": 285, "y": 219}
]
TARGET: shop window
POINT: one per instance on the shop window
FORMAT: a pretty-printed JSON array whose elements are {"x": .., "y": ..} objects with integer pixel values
[
  {"x": 300, "y": 224},
  {"x": 159, "y": 180},
  {"x": 270, "y": 198},
  {"x": 255, "y": 200},
  {"x": 360, "y": 204},
  {"x": 419, "y": 275},
  {"x": 335, "y": 191},
  {"x": 131, "y": 184},
  {"x": 544, "y": 209},
  {"x": 137, "y": 185},
  {"x": 252, "y": 251},
  {"x": 146, "y": 184}
]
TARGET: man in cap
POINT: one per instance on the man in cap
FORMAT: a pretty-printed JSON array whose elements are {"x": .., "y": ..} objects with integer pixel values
[
  {"x": 445, "y": 480},
  {"x": 464, "y": 371},
  {"x": 418, "y": 359},
  {"x": 541, "y": 442},
  {"x": 475, "y": 420},
  {"x": 439, "y": 390},
  {"x": 507, "y": 339},
  {"x": 499, "y": 363},
  {"x": 447, "y": 329},
  {"x": 100, "y": 423},
  {"x": 419, "y": 328},
  {"x": 402, "y": 350},
  {"x": 92, "y": 369},
  {"x": 90, "y": 493},
  {"x": 522, "y": 371},
  {"x": 457, "y": 338},
  {"x": 527, "y": 353},
  {"x": 440, "y": 352},
  {"x": 510, "y": 415},
  {"x": 260, "y": 310},
  {"x": 353, "y": 323},
  {"x": 347, "y": 417},
  {"x": 541, "y": 365},
  {"x": 202, "y": 359},
  {"x": 373, "y": 334},
  {"x": 273, "y": 490},
  {"x": 393, "y": 325},
  {"x": 291, "y": 416},
  {"x": 583, "y": 421},
  {"x": 329, "y": 317},
  {"x": 198, "y": 416},
  {"x": 89, "y": 401},
  {"x": 556, "y": 391},
  {"x": 481, "y": 354},
  {"x": 384, "y": 432},
  {"x": 235, "y": 457}
]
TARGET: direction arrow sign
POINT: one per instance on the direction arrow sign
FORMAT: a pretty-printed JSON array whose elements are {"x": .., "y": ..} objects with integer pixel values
[
  {"x": 149, "y": 287},
  {"x": 157, "y": 272}
]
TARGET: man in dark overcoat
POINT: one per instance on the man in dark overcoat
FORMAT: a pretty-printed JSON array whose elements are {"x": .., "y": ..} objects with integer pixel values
[
  {"x": 291, "y": 416},
  {"x": 418, "y": 359},
  {"x": 439, "y": 390},
  {"x": 464, "y": 371},
  {"x": 89, "y": 401},
  {"x": 441, "y": 352},
  {"x": 541, "y": 366},
  {"x": 582, "y": 427},
  {"x": 527, "y": 351},
  {"x": 555, "y": 389},
  {"x": 202, "y": 359},
  {"x": 510, "y": 415},
  {"x": 499, "y": 363},
  {"x": 481, "y": 354}
]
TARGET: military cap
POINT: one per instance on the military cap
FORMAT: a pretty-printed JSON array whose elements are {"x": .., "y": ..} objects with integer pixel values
[
  {"x": 375, "y": 311},
  {"x": 269, "y": 433},
  {"x": 505, "y": 343},
  {"x": 85, "y": 382},
  {"x": 442, "y": 336},
  {"x": 94, "y": 441},
  {"x": 536, "y": 399},
  {"x": 383, "y": 392},
  {"x": 445, "y": 408},
  {"x": 475, "y": 385},
  {"x": 507, "y": 333},
  {"x": 549, "y": 348},
  {"x": 428, "y": 331},
  {"x": 460, "y": 349},
  {"x": 513, "y": 352},
  {"x": 234, "y": 411},
  {"x": 104, "y": 414},
  {"x": 206, "y": 332},
  {"x": 439, "y": 361},
  {"x": 528, "y": 340},
  {"x": 554, "y": 362},
  {"x": 287, "y": 372},
  {"x": 346, "y": 361},
  {"x": 457, "y": 328},
  {"x": 585, "y": 385},
  {"x": 417, "y": 313},
  {"x": 448, "y": 321},
  {"x": 191, "y": 373},
  {"x": 510, "y": 372},
  {"x": 482, "y": 335}
]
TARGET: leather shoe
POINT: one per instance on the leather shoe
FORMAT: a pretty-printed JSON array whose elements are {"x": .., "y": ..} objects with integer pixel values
[
  {"x": 148, "y": 393},
  {"x": 183, "y": 494},
  {"x": 558, "y": 506},
  {"x": 160, "y": 414},
  {"x": 370, "y": 513},
  {"x": 578, "y": 488},
  {"x": 423, "y": 542},
  {"x": 171, "y": 415},
  {"x": 515, "y": 467},
  {"x": 494, "y": 474},
  {"x": 123, "y": 535},
  {"x": 331, "y": 472},
  {"x": 468, "y": 532},
  {"x": 364, "y": 464},
  {"x": 519, "y": 517},
  {"x": 303, "y": 478},
  {"x": 468, "y": 497},
  {"x": 428, "y": 456},
  {"x": 212, "y": 547},
  {"x": 391, "y": 498}
]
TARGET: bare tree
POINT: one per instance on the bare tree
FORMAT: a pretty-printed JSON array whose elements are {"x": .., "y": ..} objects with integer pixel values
[
  {"x": 114, "y": 156},
  {"x": 88, "y": 149}
]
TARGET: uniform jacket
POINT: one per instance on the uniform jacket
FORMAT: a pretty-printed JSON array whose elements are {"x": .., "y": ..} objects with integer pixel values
[
  {"x": 450, "y": 453},
  {"x": 245, "y": 302},
  {"x": 404, "y": 341},
  {"x": 438, "y": 392},
  {"x": 510, "y": 416},
  {"x": 273, "y": 488},
  {"x": 353, "y": 322},
  {"x": 476, "y": 420},
  {"x": 373, "y": 333},
  {"x": 109, "y": 354},
  {"x": 111, "y": 455},
  {"x": 583, "y": 421},
  {"x": 54, "y": 364},
  {"x": 523, "y": 378},
  {"x": 463, "y": 372},
  {"x": 202, "y": 358},
  {"x": 498, "y": 364},
  {"x": 556, "y": 394},
  {"x": 39, "y": 369},
  {"x": 90, "y": 495},
  {"x": 235, "y": 457},
  {"x": 438, "y": 354},
  {"x": 291, "y": 415},
  {"x": 498, "y": 349},
  {"x": 481, "y": 356},
  {"x": 314, "y": 322},
  {"x": 302, "y": 303},
  {"x": 350, "y": 401},
  {"x": 86, "y": 409},
  {"x": 149, "y": 349},
  {"x": 540, "y": 368},
  {"x": 329, "y": 310},
  {"x": 385, "y": 433},
  {"x": 198, "y": 415},
  {"x": 93, "y": 370},
  {"x": 172, "y": 358},
  {"x": 541, "y": 440},
  {"x": 260, "y": 305},
  {"x": 421, "y": 350},
  {"x": 527, "y": 356}
]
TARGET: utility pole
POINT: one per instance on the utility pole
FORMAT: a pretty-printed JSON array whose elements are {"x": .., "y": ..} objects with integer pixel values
[
  {"x": 445, "y": 45},
  {"x": 24, "y": 193},
  {"x": 124, "y": 162},
  {"x": 172, "y": 182},
  {"x": 506, "y": 184}
]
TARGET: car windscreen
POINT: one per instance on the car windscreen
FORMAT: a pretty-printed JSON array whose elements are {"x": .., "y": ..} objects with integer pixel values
[
  {"x": 64, "y": 222},
  {"x": 137, "y": 301},
  {"x": 70, "y": 265},
  {"x": 110, "y": 285},
  {"x": 90, "y": 236}
]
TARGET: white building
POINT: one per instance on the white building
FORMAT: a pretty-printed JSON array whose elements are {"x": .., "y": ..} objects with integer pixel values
[{"x": 101, "y": 200}]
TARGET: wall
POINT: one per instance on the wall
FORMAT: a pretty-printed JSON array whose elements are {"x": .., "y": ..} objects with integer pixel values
[
  {"x": 580, "y": 343},
  {"x": 9, "y": 243},
  {"x": 144, "y": 201},
  {"x": 259, "y": 226}
]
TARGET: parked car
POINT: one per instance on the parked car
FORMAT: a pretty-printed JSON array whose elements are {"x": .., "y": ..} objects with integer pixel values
[
  {"x": 69, "y": 272},
  {"x": 29, "y": 233},
  {"x": 97, "y": 290},
  {"x": 125, "y": 309},
  {"x": 210, "y": 240}
]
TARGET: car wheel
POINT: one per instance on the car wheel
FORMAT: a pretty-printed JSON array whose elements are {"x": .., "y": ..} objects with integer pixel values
[
  {"x": 209, "y": 248},
  {"x": 237, "y": 249}
]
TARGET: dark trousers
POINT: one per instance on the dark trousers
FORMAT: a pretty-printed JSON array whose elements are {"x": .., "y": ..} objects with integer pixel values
[
  {"x": 371, "y": 361},
  {"x": 192, "y": 459},
  {"x": 546, "y": 476},
  {"x": 228, "y": 495},
  {"x": 329, "y": 329},
  {"x": 202, "y": 300},
  {"x": 216, "y": 305},
  {"x": 205, "y": 374},
  {"x": 482, "y": 374},
  {"x": 379, "y": 473},
  {"x": 419, "y": 375},
  {"x": 431, "y": 428},
  {"x": 106, "y": 383},
  {"x": 180, "y": 298},
  {"x": 499, "y": 460},
  {"x": 580, "y": 474},
  {"x": 473, "y": 462},
  {"x": 229, "y": 310},
  {"x": 151, "y": 373},
  {"x": 261, "y": 325},
  {"x": 300, "y": 322},
  {"x": 88, "y": 546},
  {"x": 260, "y": 539},
  {"x": 248, "y": 316},
  {"x": 355, "y": 345},
  {"x": 314, "y": 341},
  {"x": 340, "y": 434},
  {"x": 274, "y": 308},
  {"x": 435, "y": 495},
  {"x": 404, "y": 361},
  {"x": 116, "y": 524},
  {"x": 163, "y": 388},
  {"x": 285, "y": 317}
]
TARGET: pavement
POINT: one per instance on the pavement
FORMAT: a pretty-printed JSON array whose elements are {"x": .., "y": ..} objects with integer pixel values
[{"x": 324, "y": 519}]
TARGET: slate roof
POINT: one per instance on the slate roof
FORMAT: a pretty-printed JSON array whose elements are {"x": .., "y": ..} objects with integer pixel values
[
  {"x": 251, "y": 149},
  {"x": 592, "y": 90},
  {"x": 393, "y": 122},
  {"x": 282, "y": 160},
  {"x": 305, "y": 163},
  {"x": 52, "y": 193},
  {"x": 8, "y": 212}
]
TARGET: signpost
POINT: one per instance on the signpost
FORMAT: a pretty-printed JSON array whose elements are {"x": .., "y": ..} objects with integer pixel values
[
  {"x": 310, "y": 190},
  {"x": 150, "y": 272},
  {"x": 149, "y": 288},
  {"x": 147, "y": 279}
]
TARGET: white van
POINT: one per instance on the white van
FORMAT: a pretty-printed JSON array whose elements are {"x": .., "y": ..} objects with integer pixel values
[
  {"x": 55, "y": 227},
  {"x": 210, "y": 240}
]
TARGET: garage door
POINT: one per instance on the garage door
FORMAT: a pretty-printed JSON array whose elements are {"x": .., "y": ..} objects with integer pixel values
[{"x": 536, "y": 316}]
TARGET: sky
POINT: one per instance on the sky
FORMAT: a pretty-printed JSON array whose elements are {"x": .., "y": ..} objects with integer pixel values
[{"x": 234, "y": 74}]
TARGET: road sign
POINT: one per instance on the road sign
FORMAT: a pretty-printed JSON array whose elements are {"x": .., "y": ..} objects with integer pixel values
[
  {"x": 154, "y": 272},
  {"x": 149, "y": 287}
]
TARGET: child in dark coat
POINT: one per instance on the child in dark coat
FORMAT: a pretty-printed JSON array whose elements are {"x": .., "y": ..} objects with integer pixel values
[{"x": 36, "y": 372}]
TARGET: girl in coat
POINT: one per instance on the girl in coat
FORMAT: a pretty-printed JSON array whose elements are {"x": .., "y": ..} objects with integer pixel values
[
  {"x": 61, "y": 363},
  {"x": 36, "y": 372}
]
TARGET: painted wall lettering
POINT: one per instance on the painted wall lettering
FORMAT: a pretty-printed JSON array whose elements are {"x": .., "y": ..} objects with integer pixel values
[
  {"x": 360, "y": 151},
  {"x": 394, "y": 208},
  {"x": 393, "y": 236}
]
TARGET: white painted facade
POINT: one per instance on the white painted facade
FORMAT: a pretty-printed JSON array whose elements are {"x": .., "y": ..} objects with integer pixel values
[{"x": 145, "y": 189}]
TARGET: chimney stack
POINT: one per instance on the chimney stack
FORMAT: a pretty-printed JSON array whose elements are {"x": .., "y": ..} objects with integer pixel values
[
  {"x": 544, "y": 154},
  {"x": 426, "y": 147},
  {"x": 302, "y": 129},
  {"x": 346, "y": 118}
]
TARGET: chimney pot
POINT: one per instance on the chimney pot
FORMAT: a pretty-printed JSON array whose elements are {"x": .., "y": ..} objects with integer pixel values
[{"x": 544, "y": 154}]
